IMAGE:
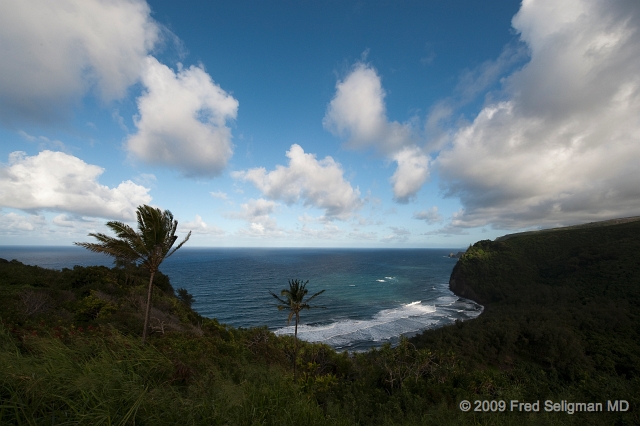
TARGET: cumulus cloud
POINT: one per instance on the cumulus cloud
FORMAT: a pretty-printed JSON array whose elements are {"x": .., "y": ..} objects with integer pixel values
[
  {"x": 430, "y": 216},
  {"x": 412, "y": 172},
  {"x": 56, "y": 181},
  {"x": 561, "y": 147},
  {"x": 358, "y": 113},
  {"x": 182, "y": 121},
  {"x": 53, "y": 53},
  {"x": 198, "y": 226},
  {"x": 320, "y": 184},
  {"x": 257, "y": 214}
]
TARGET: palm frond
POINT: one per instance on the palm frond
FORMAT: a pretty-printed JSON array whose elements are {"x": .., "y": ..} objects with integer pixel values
[
  {"x": 179, "y": 245},
  {"x": 285, "y": 303},
  {"x": 314, "y": 296},
  {"x": 293, "y": 298},
  {"x": 149, "y": 245}
]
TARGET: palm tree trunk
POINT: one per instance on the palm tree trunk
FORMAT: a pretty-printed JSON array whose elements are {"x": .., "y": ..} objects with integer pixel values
[
  {"x": 295, "y": 350},
  {"x": 148, "y": 309}
]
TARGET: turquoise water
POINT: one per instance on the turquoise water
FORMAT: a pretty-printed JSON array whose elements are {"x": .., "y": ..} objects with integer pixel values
[{"x": 371, "y": 296}]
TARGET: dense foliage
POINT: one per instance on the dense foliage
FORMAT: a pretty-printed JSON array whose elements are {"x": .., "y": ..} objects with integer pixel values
[{"x": 560, "y": 323}]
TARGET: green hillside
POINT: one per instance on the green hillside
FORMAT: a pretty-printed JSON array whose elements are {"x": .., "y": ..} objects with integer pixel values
[
  {"x": 564, "y": 303},
  {"x": 561, "y": 323}
]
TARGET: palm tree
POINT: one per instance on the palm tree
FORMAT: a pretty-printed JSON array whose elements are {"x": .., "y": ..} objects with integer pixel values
[
  {"x": 147, "y": 248},
  {"x": 293, "y": 300}
]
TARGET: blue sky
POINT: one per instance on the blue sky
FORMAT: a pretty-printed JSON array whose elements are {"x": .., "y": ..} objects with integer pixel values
[{"x": 318, "y": 124}]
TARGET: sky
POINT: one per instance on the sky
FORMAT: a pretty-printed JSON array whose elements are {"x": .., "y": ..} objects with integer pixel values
[{"x": 322, "y": 123}]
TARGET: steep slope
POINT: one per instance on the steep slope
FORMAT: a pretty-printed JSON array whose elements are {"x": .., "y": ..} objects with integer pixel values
[{"x": 565, "y": 300}]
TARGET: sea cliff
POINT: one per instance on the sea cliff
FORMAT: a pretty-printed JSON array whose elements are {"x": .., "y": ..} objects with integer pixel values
[
  {"x": 459, "y": 286},
  {"x": 563, "y": 302}
]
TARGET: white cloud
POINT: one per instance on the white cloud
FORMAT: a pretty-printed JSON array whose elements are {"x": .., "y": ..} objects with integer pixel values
[
  {"x": 44, "y": 142},
  {"x": 27, "y": 136},
  {"x": 16, "y": 223},
  {"x": 398, "y": 234},
  {"x": 476, "y": 81},
  {"x": 256, "y": 209},
  {"x": 146, "y": 179},
  {"x": 56, "y": 181},
  {"x": 562, "y": 146},
  {"x": 320, "y": 184},
  {"x": 430, "y": 216},
  {"x": 64, "y": 221},
  {"x": 361, "y": 235},
  {"x": 219, "y": 194},
  {"x": 256, "y": 213},
  {"x": 328, "y": 231},
  {"x": 53, "y": 53},
  {"x": 59, "y": 229},
  {"x": 198, "y": 226},
  {"x": 357, "y": 112},
  {"x": 411, "y": 174},
  {"x": 183, "y": 121},
  {"x": 115, "y": 115}
]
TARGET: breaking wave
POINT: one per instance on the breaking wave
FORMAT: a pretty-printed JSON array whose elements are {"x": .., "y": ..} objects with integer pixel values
[{"x": 386, "y": 325}]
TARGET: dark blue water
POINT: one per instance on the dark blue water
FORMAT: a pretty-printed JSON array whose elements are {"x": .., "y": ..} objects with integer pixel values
[{"x": 371, "y": 296}]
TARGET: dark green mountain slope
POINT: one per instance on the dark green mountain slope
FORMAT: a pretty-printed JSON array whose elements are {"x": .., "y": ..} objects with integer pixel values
[{"x": 567, "y": 301}]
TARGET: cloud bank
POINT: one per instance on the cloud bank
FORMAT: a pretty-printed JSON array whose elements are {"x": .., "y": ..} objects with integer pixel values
[
  {"x": 564, "y": 145},
  {"x": 358, "y": 113},
  {"x": 53, "y": 53},
  {"x": 12, "y": 223},
  {"x": 56, "y": 181},
  {"x": 319, "y": 184}
]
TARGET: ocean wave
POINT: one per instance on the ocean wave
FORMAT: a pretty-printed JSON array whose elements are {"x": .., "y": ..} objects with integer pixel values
[{"x": 385, "y": 325}]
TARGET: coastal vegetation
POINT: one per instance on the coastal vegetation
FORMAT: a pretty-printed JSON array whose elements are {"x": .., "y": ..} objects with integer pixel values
[
  {"x": 560, "y": 323},
  {"x": 148, "y": 247},
  {"x": 293, "y": 300}
]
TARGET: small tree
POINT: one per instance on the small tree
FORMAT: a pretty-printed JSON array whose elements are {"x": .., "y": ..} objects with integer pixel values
[
  {"x": 293, "y": 300},
  {"x": 185, "y": 297},
  {"x": 148, "y": 247}
]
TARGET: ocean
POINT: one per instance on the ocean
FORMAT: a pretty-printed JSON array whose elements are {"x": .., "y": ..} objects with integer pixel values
[{"x": 372, "y": 296}]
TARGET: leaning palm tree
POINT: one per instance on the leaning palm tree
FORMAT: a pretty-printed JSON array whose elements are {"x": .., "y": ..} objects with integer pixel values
[
  {"x": 293, "y": 300},
  {"x": 148, "y": 247}
]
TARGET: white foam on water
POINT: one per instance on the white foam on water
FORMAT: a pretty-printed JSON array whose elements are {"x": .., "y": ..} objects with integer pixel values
[
  {"x": 381, "y": 281},
  {"x": 385, "y": 325},
  {"x": 447, "y": 300}
]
